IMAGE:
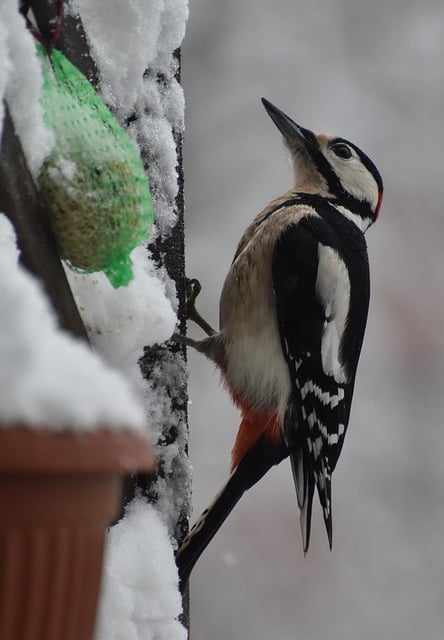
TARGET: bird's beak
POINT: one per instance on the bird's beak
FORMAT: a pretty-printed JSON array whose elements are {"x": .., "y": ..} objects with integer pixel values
[{"x": 291, "y": 131}]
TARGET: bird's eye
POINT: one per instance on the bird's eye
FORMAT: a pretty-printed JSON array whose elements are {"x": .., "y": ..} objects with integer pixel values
[{"x": 342, "y": 150}]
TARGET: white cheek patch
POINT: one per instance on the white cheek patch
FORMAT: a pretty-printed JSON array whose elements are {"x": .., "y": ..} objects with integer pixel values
[
  {"x": 333, "y": 291},
  {"x": 357, "y": 180}
]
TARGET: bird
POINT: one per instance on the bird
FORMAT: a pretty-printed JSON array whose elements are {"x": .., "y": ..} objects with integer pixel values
[{"x": 292, "y": 315}]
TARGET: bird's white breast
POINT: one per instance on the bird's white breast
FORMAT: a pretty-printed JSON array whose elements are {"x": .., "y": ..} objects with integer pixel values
[
  {"x": 255, "y": 364},
  {"x": 258, "y": 371}
]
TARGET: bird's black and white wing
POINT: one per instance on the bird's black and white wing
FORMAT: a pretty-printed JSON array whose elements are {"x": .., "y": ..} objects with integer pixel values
[{"x": 321, "y": 289}]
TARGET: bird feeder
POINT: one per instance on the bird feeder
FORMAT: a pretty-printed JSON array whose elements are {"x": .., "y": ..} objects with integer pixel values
[{"x": 93, "y": 184}]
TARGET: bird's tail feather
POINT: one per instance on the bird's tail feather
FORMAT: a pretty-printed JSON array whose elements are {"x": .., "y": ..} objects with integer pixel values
[
  {"x": 255, "y": 464},
  {"x": 323, "y": 479},
  {"x": 304, "y": 483}
]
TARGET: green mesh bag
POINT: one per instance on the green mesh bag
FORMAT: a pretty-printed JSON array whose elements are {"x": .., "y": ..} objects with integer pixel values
[{"x": 93, "y": 185}]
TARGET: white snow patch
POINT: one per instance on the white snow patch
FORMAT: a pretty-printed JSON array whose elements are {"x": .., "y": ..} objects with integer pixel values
[
  {"x": 133, "y": 45},
  {"x": 48, "y": 378},
  {"x": 123, "y": 38},
  {"x": 120, "y": 322},
  {"x": 140, "y": 598},
  {"x": 20, "y": 84},
  {"x": 155, "y": 135},
  {"x": 175, "y": 486},
  {"x": 127, "y": 38}
]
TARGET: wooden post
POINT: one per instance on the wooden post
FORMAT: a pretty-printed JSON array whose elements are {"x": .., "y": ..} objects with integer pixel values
[{"x": 19, "y": 200}]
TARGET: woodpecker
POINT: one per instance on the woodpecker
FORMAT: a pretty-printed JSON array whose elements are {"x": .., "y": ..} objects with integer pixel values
[{"x": 293, "y": 312}]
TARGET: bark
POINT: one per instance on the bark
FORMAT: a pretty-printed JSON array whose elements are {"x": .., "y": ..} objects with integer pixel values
[{"x": 19, "y": 200}]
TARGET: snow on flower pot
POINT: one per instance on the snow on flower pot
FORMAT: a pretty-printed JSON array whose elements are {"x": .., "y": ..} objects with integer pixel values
[{"x": 58, "y": 493}]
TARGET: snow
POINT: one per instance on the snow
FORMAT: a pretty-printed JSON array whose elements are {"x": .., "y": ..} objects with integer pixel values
[
  {"x": 20, "y": 84},
  {"x": 140, "y": 598},
  {"x": 154, "y": 133},
  {"x": 48, "y": 378},
  {"x": 126, "y": 40},
  {"x": 120, "y": 322},
  {"x": 168, "y": 425}
]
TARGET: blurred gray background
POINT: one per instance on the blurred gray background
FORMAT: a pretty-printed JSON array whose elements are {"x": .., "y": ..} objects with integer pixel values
[{"x": 371, "y": 72}]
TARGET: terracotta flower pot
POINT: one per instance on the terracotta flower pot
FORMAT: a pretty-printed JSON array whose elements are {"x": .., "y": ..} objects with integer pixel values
[{"x": 58, "y": 493}]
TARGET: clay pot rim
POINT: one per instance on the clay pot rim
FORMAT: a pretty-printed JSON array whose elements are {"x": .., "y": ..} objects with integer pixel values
[{"x": 32, "y": 450}]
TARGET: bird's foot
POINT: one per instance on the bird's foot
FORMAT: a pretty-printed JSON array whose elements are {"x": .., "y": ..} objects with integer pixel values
[
  {"x": 184, "y": 340},
  {"x": 192, "y": 290}
]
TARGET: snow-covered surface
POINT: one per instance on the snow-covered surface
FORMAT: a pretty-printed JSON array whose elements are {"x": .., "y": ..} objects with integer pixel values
[
  {"x": 120, "y": 322},
  {"x": 48, "y": 378},
  {"x": 127, "y": 39},
  {"x": 371, "y": 72},
  {"x": 140, "y": 598},
  {"x": 20, "y": 84},
  {"x": 173, "y": 485}
]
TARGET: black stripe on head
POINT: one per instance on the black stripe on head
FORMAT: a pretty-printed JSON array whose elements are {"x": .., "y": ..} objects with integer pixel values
[
  {"x": 322, "y": 165},
  {"x": 360, "y": 207},
  {"x": 368, "y": 164}
]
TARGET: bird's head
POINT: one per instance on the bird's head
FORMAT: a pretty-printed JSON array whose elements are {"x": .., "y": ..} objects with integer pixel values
[{"x": 331, "y": 167}]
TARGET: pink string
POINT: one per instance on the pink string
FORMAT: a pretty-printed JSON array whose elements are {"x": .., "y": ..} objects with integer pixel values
[{"x": 49, "y": 43}]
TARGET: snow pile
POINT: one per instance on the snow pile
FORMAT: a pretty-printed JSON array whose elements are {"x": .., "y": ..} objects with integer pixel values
[
  {"x": 133, "y": 45},
  {"x": 140, "y": 598},
  {"x": 20, "y": 84},
  {"x": 46, "y": 376},
  {"x": 120, "y": 322}
]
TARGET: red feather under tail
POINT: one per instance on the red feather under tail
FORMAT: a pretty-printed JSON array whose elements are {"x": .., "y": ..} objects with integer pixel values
[{"x": 254, "y": 425}]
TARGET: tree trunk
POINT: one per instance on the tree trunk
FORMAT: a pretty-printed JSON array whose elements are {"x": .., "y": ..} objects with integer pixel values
[{"x": 19, "y": 200}]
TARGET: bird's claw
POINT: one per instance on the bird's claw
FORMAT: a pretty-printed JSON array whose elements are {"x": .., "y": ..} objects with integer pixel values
[{"x": 192, "y": 290}]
